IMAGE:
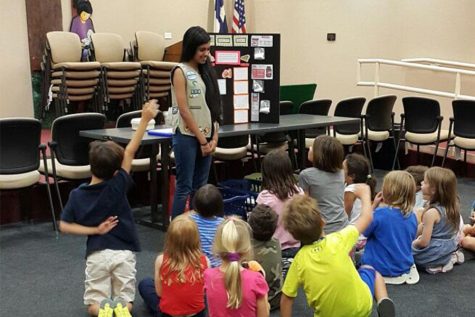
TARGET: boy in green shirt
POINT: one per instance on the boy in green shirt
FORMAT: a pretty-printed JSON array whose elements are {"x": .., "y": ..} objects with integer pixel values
[
  {"x": 267, "y": 252},
  {"x": 323, "y": 267}
]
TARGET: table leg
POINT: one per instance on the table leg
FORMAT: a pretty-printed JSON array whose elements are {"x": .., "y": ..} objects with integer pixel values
[
  {"x": 301, "y": 147},
  {"x": 165, "y": 188},
  {"x": 153, "y": 184}
]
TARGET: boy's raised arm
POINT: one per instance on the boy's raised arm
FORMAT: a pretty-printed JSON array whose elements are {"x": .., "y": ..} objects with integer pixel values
[
  {"x": 149, "y": 111},
  {"x": 363, "y": 192}
]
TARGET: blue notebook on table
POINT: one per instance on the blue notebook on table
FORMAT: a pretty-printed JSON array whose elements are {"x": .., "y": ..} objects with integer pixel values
[{"x": 161, "y": 132}]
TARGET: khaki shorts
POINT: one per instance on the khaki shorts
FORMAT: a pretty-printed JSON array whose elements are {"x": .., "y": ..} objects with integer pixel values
[{"x": 110, "y": 274}]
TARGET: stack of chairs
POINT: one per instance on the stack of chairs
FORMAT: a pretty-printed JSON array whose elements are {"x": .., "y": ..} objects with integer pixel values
[
  {"x": 70, "y": 79},
  {"x": 149, "y": 50},
  {"x": 119, "y": 78}
]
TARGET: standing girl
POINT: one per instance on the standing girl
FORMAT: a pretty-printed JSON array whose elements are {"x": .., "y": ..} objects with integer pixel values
[
  {"x": 195, "y": 116},
  {"x": 178, "y": 288},
  {"x": 231, "y": 290},
  {"x": 278, "y": 186},
  {"x": 435, "y": 249},
  {"x": 325, "y": 181}
]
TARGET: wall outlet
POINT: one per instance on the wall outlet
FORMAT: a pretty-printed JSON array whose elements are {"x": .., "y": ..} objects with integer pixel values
[
  {"x": 168, "y": 35},
  {"x": 331, "y": 37}
]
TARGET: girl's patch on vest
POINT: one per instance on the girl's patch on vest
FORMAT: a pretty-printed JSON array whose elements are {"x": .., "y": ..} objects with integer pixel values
[
  {"x": 191, "y": 75},
  {"x": 195, "y": 92}
]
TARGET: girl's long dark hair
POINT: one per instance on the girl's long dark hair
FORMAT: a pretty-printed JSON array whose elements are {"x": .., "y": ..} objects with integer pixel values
[
  {"x": 359, "y": 171},
  {"x": 193, "y": 38},
  {"x": 278, "y": 175}
]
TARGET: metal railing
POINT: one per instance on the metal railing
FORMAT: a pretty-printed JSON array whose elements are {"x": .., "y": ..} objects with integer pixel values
[
  {"x": 378, "y": 84},
  {"x": 435, "y": 61}
]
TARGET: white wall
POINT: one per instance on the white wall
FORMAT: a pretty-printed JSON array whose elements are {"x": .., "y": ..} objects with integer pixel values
[
  {"x": 16, "y": 97},
  {"x": 364, "y": 29}
]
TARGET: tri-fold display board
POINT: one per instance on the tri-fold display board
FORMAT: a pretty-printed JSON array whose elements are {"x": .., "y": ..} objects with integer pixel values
[{"x": 248, "y": 69}]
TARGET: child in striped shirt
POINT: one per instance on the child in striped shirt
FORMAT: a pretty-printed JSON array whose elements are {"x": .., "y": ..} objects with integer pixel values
[{"x": 208, "y": 206}]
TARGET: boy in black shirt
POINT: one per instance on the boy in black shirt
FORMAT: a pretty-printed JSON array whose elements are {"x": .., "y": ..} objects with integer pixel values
[{"x": 101, "y": 211}]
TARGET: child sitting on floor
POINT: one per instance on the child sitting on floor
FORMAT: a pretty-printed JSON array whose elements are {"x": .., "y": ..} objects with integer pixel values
[
  {"x": 208, "y": 204},
  {"x": 332, "y": 285},
  {"x": 101, "y": 211},
  {"x": 232, "y": 290},
  {"x": 356, "y": 168},
  {"x": 263, "y": 222},
  {"x": 325, "y": 181},
  {"x": 278, "y": 186},
  {"x": 178, "y": 287},
  {"x": 394, "y": 227},
  {"x": 417, "y": 171},
  {"x": 435, "y": 249},
  {"x": 468, "y": 239}
]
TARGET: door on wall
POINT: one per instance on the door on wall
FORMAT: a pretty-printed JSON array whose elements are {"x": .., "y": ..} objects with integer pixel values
[{"x": 42, "y": 17}]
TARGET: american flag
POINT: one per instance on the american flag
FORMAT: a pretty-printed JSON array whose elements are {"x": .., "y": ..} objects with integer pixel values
[{"x": 239, "y": 17}]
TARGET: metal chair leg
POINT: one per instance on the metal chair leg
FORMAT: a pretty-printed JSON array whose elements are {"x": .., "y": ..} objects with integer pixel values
[
  {"x": 370, "y": 156},
  {"x": 396, "y": 154},
  {"x": 48, "y": 189},
  {"x": 435, "y": 153},
  {"x": 446, "y": 152},
  {"x": 418, "y": 148}
]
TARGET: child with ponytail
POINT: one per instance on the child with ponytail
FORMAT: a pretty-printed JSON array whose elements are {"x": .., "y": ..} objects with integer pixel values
[
  {"x": 356, "y": 168},
  {"x": 232, "y": 290}
]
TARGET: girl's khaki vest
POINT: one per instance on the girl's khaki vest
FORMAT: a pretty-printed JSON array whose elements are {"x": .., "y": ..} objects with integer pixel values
[{"x": 195, "y": 96}]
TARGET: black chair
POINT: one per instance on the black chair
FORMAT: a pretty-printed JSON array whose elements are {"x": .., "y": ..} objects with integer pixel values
[
  {"x": 274, "y": 140},
  {"x": 70, "y": 151},
  {"x": 422, "y": 124},
  {"x": 349, "y": 134},
  {"x": 231, "y": 149},
  {"x": 319, "y": 108},
  {"x": 20, "y": 156},
  {"x": 463, "y": 124},
  {"x": 379, "y": 122}
]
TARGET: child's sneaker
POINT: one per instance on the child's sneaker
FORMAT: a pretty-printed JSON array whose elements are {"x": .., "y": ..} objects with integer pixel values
[
  {"x": 106, "y": 309},
  {"x": 441, "y": 269},
  {"x": 458, "y": 257},
  {"x": 121, "y": 311},
  {"x": 386, "y": 308}
]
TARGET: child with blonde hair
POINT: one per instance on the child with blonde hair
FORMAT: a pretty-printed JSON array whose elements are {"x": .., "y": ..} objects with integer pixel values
[
  {"x": 394, "y": 227},
  {"x": 435, "y": 249},
  {"x": 232, "y": 290},
  {"x": 325, "y": 181},
  {"x": 178, "y": 288},
  {"x": 323, "y": 268}
]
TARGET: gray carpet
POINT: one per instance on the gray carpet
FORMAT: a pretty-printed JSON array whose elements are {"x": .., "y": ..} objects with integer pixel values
[{"x": 42, "y": 276}]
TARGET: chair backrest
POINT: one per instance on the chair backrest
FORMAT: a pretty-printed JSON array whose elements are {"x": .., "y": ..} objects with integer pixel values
[
  {"x": 123, "y": 121},
  {"x": 72, "y": 149},
  {"x": 464, "y": 118},
  {"x": 150, "y": 46},
  {"x": 64, "y": 47},
  {"x": 421, "y": 114},
  {"x": 379, "y": 113},
  {"x": 19, "y": 141},
  {"x": 233, "y": 142},
  {"x": 350, "y": 108},
  {"x": 316, "y": 107},
  {"x": 286, "y": 107},
  {"x": 108, "y": 47}
]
